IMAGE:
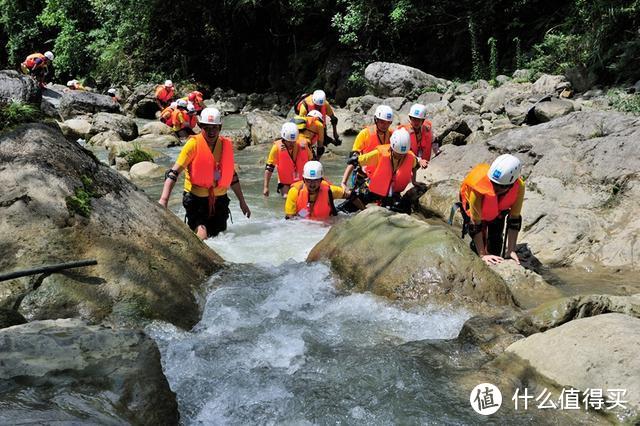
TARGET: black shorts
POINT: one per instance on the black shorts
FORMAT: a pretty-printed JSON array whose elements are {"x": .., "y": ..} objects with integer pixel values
[{"x": 198, "y": 213}]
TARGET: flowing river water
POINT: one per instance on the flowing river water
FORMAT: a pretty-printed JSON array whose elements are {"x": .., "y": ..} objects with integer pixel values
[{"x": 278, "y": 344}]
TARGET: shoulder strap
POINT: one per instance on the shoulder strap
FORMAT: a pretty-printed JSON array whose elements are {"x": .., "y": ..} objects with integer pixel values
[{"x": 334, "y": 211}]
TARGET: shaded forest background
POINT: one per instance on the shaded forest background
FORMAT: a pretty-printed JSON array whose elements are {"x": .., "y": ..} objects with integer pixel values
[{"x": 288, "y": 46}]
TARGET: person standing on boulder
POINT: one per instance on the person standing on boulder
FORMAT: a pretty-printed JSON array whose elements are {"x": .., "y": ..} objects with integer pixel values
[
  {"x": 318, "y": 102},
  {"x": 312, "y": 198},
  {"x": 289, "y": 154},
  {"x": 37, "y": 65},
  {"x": 164, "y": 94},
  {"x": 489, "y": 195},
  {"x": 207, "y": 159},
  {"x": 391, "y": 168}
]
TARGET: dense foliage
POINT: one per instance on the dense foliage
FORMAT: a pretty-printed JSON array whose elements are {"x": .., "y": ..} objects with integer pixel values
[{"x": 290, "y": 45}]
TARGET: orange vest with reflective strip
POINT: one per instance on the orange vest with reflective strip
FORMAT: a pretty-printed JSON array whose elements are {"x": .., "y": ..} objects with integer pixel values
[
  {"x": 308, "y": 103},
  {"x": 205, "y": 171},
  {"x": 321, "y": 208},
  {"x": 31, "y": 60},
  {"x": 290, "y": 169},
  {"x": 421, "y": 149},
  {"x": 383, "y": 179},
  {"x": 477, "y": 180},
  {"x": 164, "y": 95}
]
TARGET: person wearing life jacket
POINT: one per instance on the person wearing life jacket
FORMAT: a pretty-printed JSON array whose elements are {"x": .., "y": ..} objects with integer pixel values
[
  {"x": 318, "y": 102},
  {"x": 197, "y": 99},
  {"x": 75, "y": 85},
  {"x": 288, "y": 154},
  {"x": 366, "y": 141},
  {"x": 392, "y": 166},
  {"x": 112, "y": 93},
  {"x": 192, "y": 119},
  {"x": 180, "y": 116},
  {"x": 421, "y": 132},
  {"x": 312, "y": 128},
  {"x": 207, "y": 159},
  {"x": 166, "y": 115},
  {"x": 164, "y": 94},
  {"x": 312, "y": 198},
  {"x": 489, "y": 195},
  {"x": 37, "y": 65}
]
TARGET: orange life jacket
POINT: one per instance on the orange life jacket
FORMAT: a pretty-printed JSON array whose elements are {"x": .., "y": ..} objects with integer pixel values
[
  {"x": 372, "y": 143},
  {"x": 30, "y": 62},
  {"x": 179, "y": 119},
  {"x": 477, "y": 180},
  {"x": 166, "y": 116},
  {"x": 198, "y": 103},
  {"x": 310, "y": 106},
  {"x": 289, "y": 168},
  {"x": 205, "y": 171},
  {"x": 422, "y": 148},
  {"x": 321, "y": 208},
  {"x": 164, "y": 95},
  {"x": 384, "y": 181}
]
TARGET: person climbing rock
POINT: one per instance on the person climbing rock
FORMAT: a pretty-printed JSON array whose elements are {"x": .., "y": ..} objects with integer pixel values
[
  {"x": 164, "y": 94},
  {"x": 75, "y": 85},
  {"x": 366, "y": 141},
  {"x": 312, "y": 198},
  {"x": 312, "y": 128},
  {"x": 166, "y": 115},
  {"x": 421, "y": 132},
  {"x": 288, "y": 154},
  {"x": 318, "y": 102},
  {"x": 197, "y": 99},
  {"x": 488, "y": 196},
  {"x": 37, "y": 66},
  {"x": 391, "y": 168},
  {"x": 207, "y": 159},
  {"x": 180, "y": 118}
]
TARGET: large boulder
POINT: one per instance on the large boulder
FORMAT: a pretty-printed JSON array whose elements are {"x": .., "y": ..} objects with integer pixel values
[
  {"x": 146, "y": 170},
  {"x": 599, "y": 352},
  {"x": 265, "y": 127},
  {"x": 125, "y": 126},
  {"x": 554, "y": 108},
  {"x": 511, "y": 92},
  {"x": 104, "y": 138},
  {"x": 528, "y": 288},
  {"x": 400, "y": 257},
  {"x": 142, "y": 102},
  {"x": 363, "y": 104},
  {"x": 78, "y": 102},
  {"x": 389, "y": 79},
  {"x": 59, "y": 204},
  {"x": 156, "y": 128},
  {"x": 76, "y": 128},
  {"x": 548, "y": 84},
  {"x": 582, "y": 182},
  {"x": 63, "y": 371},
  {"x": 349, "y": 123},
  {"x": 15, "y": 87}
]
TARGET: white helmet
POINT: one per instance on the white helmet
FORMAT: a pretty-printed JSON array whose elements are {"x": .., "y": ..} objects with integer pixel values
[
  {"x": 315, "y": 113},
  {"x": 49, "y": 55},
  {"x": 312, "y": 170},
  {"x": 505, "y": 170},
  {"x": 400, "y": 141},
  {"x": 182, "y": 103},
  {"x": 384, "y": 112},
  {"x": 112, "y": 91},
  {"x": 168, "y": 83},
  {"x": 289, "y": 131},
  {"x": 319, "y": 97},
  {"x": 190, "y": 107},
  {"x": 71, "y": 83},
  {"x": 418, "y": 111},
  {"x": 210, "y": 116},
  {"x": 173, "y": 105}
]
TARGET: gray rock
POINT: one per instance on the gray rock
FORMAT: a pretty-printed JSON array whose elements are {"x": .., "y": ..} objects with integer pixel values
[
  {"x": 528, "y": 288},
  {"x": 502, "y": 79},
  {"x": 241, "y": 137},
  {"x": 10, "y": 317},
  {"x": 349, "y": 123},
  {"x": 521, "y": 75},
  {"x": 125, "y": 126},
  {"x": 454, "y": 138},
  {"x": 589, "y": 353},
  {"x": 265, "y": 127},
  {"x": 132, "y": 282},
  {"x": 156, "y": 128},
  {"x": 77, "y": 102},
  {"x": 396, "y": 103},
  {"x": 548, "y": 84},
  {"x": 580, "y": 78},
  {"x": 496, "y": 99},
  {"x": 463, "y": 89},
  {"x": 76, "y": 128},
  {"x": 429, "y": 98},
  {"x": 390, "y": 79},
  {"x": 458, "y": 126},
  {"x": 15, "y": 87},
  {"x": 146, "y": 170},
  {"x": 64, "y": 371},
  {"x": 547, "y": 111},
  {"x": 595, "y": 93},
  {"x": 141, "y": 102},
  {"x": 363, "y": 104}
]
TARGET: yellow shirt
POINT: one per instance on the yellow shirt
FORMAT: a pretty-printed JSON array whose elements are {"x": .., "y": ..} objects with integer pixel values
[
  {"x": 185, "y": 158},
  {"x": 363, "y": 139},
  {"x": 290, "y": 208},
  {"x": 272, "y": 158},
  {"x": 316, "y": 128},
  {"x": 475, "y": 204}
]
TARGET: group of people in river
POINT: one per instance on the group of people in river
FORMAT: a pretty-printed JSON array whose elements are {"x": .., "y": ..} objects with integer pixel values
[{"x": 381, "y": 165}]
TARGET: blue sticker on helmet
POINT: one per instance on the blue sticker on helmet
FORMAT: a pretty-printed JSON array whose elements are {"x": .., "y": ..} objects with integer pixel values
[
  {"x": 312, "y": 173},
  {"x": 403, "y": 149},
  {"x": 496, "y": 174},
  {"x": 389, "y": 115},
  {"x": 416, "y": 112}
]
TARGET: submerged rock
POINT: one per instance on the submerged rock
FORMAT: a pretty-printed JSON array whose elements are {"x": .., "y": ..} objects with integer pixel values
[
  {"x": 400, "y": 257},
  {"x": 65, "y": 371},
  {"x": 58, "y": 204}
]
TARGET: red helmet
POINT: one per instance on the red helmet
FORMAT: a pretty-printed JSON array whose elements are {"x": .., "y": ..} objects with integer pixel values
[{"x": 192, "y": 96}]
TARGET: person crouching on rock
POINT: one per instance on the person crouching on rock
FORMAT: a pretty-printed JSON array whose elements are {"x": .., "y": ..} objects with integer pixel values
[
  {"x": 164, "y": 94},
  {"x": 207, "y": 159},
  {"x": 37, "y": 66},
  {"x": 166, "y": 116},
  {"x": 312, "y": 198},
  {"x": 489, "y": 195},
  {"x": 391, "y": 169},
  {"x": 288, "y": 154}
]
